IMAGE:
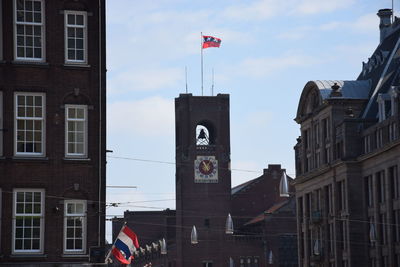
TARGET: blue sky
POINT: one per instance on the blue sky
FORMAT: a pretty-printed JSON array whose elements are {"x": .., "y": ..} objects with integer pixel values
[{"x": 269, "y": 50}]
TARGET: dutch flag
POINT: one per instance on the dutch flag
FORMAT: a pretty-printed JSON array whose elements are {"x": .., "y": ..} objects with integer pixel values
[{"x": 126, "y": 243}]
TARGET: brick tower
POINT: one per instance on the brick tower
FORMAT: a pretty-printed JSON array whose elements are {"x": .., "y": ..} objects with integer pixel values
[{"x": 203, "y": 178}]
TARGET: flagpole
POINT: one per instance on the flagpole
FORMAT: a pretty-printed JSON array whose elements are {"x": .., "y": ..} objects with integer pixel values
[
  {"x": 212, "y": 86},
  {"x": 113, "y": 245},
  {"x": 186, "y": 79},
  {"x": 201, "y": 47}
]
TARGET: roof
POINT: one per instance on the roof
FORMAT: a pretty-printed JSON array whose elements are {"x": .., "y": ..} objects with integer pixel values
[
  {"x": 271, "y": 210},
  {"x": 238, "y": 188},
  {"x": 348, "y": 89}
]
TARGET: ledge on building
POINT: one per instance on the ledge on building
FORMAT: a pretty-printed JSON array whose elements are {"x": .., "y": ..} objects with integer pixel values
[{"x": 28, "y": 256}]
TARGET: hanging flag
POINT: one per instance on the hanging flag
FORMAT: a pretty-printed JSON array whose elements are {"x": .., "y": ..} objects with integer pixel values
[
  {"x": 210, "y": 41},
  {"x": 126, "y": 243}
]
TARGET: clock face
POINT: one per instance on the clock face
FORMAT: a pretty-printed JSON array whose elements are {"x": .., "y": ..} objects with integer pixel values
[{"x": 206, "y": 169}]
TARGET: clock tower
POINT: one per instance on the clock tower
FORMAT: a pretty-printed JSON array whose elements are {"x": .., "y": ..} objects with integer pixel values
[{"x": 203, "y": 178}]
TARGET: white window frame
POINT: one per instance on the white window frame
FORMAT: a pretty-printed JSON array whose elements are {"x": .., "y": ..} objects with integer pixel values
[
  {"x": 1, "y": 122},
  {"x": 41, "y": 214},
  {"x": 42, "y": 119},
  {"x": 85, "y": 129},
  {"x": 83, "y": 215},
  {"x": 43, "y": 37},
  {"x": 85, "y": 36}
]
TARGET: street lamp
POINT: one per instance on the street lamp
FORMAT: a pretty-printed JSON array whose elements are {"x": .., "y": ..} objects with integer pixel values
[
  {"x": 372, "y": 233},
  {"x": 163, "y": 247},
  {"x": 270, "y": 258},
  {"x": 283, "y": 186},
  {"x": 228, "y": 230},
  {"x": 229, "y": 225},
  {"x": 193, "y": 236}
]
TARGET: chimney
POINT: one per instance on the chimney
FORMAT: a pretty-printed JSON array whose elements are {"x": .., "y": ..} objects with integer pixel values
[{"x": 384, "y": 26}]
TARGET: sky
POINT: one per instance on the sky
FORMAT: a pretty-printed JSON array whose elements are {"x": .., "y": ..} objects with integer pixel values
[{"x": 270, "y": 49}]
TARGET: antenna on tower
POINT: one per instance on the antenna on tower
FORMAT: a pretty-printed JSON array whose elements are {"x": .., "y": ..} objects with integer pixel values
[
  {"x": 212, "y": 85},
  {"x": 392, "y": 11},
  {"x": 186, "y": 79}
]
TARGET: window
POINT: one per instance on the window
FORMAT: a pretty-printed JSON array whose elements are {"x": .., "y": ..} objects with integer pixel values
[
  {"x": 383, "y": 229},
  {"x": 29, "y": 124},
  {"x": 75, "y": 37},
  {"x": 29, "y": 33},
  {"x": 369, "y": 191},
  {"x": 74, "y": 226},
  {"x": 1, "y": 122},
  {"x": 28, "y": 221},
  {"x": 380, "y": 177},
  {"x": 207, "y": 264},
  {"x": 396, "y": 225},
  {"x": 367, "y": 144},
  {"x": 326, "y": 129},
  {"x": 76, "y": 131},
  {"x": 395, "y": 182}
]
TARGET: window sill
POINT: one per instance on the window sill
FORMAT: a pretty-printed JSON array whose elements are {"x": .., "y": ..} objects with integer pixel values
[
  {"x": 75, "y": 255},
  {"x": 25, "y": 63},
  {"x": 76, "y": 65},
  {"x": 77, "y": 159},
  {"x": 28, "y": 256},
  {"x": 27, "y": 158}
]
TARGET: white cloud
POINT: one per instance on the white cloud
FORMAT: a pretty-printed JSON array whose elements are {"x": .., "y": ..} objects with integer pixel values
[
  {"x": 265, "y": 9},
  {"x": 307, "y": 7},
  {"x": 259, "y": 67},
  {"x": 137, "y": 79},
  {"x": 147, "y": 117}
]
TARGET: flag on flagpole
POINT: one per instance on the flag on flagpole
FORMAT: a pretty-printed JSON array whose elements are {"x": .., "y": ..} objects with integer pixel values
[
  {"x": 125, "y": 245},
  {"x": 211, "y": 41}
]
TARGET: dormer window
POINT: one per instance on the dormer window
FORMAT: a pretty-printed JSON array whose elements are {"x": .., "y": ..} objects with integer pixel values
[
  {"x": 382, "y": 98},
  {"x": 393, "y": 100}
]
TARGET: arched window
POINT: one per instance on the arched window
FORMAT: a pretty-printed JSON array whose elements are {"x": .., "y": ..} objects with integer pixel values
[{"x": 204, "y": 134}]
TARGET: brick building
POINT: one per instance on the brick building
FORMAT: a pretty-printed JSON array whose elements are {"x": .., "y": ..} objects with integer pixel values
[
  {"x": 347, "y": 158},
  {"x": 52, "y": 131},
  {"x": 264, "y": 223}
]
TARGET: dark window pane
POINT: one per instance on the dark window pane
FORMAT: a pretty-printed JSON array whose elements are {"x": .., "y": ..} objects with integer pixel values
[
  {"x": 29, "y": 52},
  {"x": 71, "y": 19},
  {"x": 28, "y": 16},
  {"x": 36, "y": 244},
  {"x": 18, "y": 244},
  {"x": 38, "y": 52},
  {"x": 28, "y": 30},
  {"x": 79, "y": 43},
  {"x": 71, "y": 32},
  {"x": 79, "y": 33},
  {"x": 78, "y": 244},
  {"x": 29, "y": 41},
  {"x": 79, "y": 20},
  {"x": 70, "y": 244},
  {"x": 79, "y": 54},
  {"x": 20, "y": 52},
  {"x": 28, "y": 5},
  {"x": 37, "y": 6},
  {"x": 71, "y": 54},
  {"x": 18, "y": 232},
  {"x": 37, "y": 17},
  {"x": 71, "y": 43}
]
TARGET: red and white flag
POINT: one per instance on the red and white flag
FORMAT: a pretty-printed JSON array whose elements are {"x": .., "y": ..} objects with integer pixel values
[
  {"x": 126, "y": 243},
  {"x": 211, "y": 41}
]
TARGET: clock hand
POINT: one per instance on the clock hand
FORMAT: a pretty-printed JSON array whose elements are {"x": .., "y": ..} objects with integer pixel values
[{"x": 206, "y": 166}]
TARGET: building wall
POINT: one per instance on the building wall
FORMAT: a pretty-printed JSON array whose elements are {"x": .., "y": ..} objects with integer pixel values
[{"x": 59, "y": 176}]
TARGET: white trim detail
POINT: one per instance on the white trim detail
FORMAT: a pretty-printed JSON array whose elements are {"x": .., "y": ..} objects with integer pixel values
[
  {"x": 27, "y": 118},
  {"x": 75, "y": 226},
  {"x": 76, "y": 131},
  {"x": 26, "y": 216},
  {"x": 75, "y": 37},
  {"x": 29, "y": 30}
]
